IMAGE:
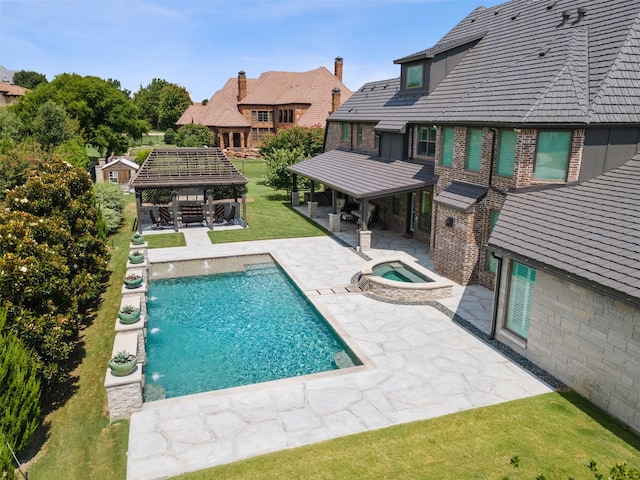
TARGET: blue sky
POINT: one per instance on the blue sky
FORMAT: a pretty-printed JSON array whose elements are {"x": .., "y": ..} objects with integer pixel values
[{"x": 200, "y": 44}]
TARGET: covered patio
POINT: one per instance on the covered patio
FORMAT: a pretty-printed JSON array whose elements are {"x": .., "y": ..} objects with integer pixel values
[
  {"x": 179, "y": 187},
  {"x": 358, "y": 179}
]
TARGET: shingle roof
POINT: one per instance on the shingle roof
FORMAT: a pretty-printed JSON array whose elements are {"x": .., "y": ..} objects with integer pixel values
[
  {"x": 529, "y": 67},
  {"x": 11, "y": 89},
  {"x": 221, "y": 110},
  {"x": 591, "y": 230},
  {"x": 187, "y": 167},
  {"x": 365, "y": 176},
  {"x": 461, "y": 196}
]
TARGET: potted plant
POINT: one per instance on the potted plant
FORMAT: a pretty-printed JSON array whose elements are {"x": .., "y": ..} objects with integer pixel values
[
  {"x": 136, "y": 256},
  {"x": 133, "y": 280},
  {"x": 129, "y": 314},
  {"x": 137, "y": 239},
  {"x": 123, "y": 363}
]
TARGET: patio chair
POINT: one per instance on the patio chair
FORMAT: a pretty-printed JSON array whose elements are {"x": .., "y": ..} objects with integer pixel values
[
  {"x": 165, "y": 216},
  {"x": 218, "y": 212},
  {"x": 232, "y": 215},
  {"x": 155, "y": 223},
  {"x": 191, "y": 213}
]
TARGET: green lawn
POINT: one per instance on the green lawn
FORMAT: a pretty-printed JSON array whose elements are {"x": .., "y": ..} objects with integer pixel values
[
  {"x": 555, "y": 435},
  {"x": 163, "y": 240}
]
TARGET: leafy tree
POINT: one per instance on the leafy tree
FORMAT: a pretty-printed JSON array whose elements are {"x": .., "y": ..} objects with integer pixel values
[
  {"x": 110, "y": 199},
  {"x": 288, "y": 147},
  {"x": 74, "y": 152},
  {"x": 194, "y": 135},
  {"x": 15, "y": 162},
  {"x": 11, "y": 127},
  {"x": 19, "y": 396},
  {"x": 148, "y": 100},
  {"x": 29, "y": 79},
  {"x": 52, "y": 126},
  {"x": 174, "y": 100},
  {"x": 107, "y": 118},
  {"x": 309, "y": 139},
  {"x": 277, "y": 161},
  {"x": 170, "y": 136}
]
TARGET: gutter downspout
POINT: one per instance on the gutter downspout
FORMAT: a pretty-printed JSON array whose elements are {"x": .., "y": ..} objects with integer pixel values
[{"x": 496, "y": 296}]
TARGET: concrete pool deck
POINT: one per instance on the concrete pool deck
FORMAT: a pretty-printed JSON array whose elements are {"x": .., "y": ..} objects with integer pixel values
[{"x": 419, "y": 364}]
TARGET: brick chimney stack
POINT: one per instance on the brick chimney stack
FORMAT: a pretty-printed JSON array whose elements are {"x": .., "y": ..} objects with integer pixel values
[
  {"x": 242, "y": 85},
  {"x": 337, "y": 68},
  {"x": 335, "y": 99}
]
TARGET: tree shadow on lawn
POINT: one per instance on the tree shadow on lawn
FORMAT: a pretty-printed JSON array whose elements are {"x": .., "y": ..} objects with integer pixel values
[
  {"x": 278, "y": 197},
  {"x": 606, "y": 420}
]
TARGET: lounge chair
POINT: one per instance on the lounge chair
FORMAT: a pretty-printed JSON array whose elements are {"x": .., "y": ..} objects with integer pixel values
[
  {"x": 165, "y": 216},
  {"x": 191, "y": 213},
  {"x": 218, "y": 212}
]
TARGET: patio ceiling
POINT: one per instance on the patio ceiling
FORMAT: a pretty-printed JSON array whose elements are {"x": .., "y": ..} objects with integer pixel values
[
  {"x": 187, "y": 167},
  {"x": 364, "y": 176}
]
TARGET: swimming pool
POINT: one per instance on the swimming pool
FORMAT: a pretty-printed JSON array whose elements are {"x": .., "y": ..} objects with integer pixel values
[{"x": 249, "y": 325}]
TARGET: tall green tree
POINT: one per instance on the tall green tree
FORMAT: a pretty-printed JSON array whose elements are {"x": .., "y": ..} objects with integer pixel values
[
  {"x": 174, "y": 100},
  {"x": 19, "y": 397},
  {"x": 29, "y": 79},
  {"x": 52, "y": 126},
  {"x": 148, "y": 101},
  {"x": 107, "y": 118}
]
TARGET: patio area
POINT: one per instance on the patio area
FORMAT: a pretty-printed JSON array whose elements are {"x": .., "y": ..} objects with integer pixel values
[{"x": 418, "y": 363}]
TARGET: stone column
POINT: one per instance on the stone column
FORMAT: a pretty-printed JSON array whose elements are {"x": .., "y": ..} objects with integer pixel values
[
  {"x": 334, "y": 222},
  {"x": 295, "y": 199},
  {"x": 364, "y": 240},
  {"x": 313, "y": 209}
]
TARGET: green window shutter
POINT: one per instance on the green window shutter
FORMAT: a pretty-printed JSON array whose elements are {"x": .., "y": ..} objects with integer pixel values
[
  {"x": 474, "y": 150},
  {"x": 345, "y": 131},
  {"x": 448, "y": 135},
  {"x": 492, "y": 262},
  {"x": 523, "y": 280},
  {"x": 552, "y": 156},
  {"x": 506, "y": 153}
]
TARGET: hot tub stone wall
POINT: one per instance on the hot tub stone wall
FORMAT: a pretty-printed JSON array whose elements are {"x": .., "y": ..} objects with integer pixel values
[{"x": 406, "y": 296}]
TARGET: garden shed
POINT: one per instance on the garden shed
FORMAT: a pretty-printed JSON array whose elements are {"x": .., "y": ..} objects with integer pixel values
[{"x": 178, "y": 187}]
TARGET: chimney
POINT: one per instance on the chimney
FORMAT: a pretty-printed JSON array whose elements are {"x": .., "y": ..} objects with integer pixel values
[
  {"x": 335, "y": 99},
  {"x": 242, "y": 85},
  {"x": 337, "y": 68}
]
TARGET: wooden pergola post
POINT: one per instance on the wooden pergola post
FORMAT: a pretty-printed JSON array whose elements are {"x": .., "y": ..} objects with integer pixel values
[
  {"x": 210, "y": 207},
  {"x": 174, "y": 206},
  {"x": 139, "y": 210}
]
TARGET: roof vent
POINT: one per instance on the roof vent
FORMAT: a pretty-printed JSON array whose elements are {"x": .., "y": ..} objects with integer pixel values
[
  {"x": 549, "y": 7},
  {"x": 565, "y": 16},
  {"x": 581, "y": 14},
  {"x": 542, "y": 53},
  {"x": 515, "y": 16}
]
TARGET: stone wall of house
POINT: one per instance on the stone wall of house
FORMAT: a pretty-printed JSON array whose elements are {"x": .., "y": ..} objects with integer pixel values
[{"x": 588, "y": 340}]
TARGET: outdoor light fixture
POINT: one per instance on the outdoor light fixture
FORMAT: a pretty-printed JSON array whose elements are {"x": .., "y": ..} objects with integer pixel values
[{"x": 449, "y": 222}]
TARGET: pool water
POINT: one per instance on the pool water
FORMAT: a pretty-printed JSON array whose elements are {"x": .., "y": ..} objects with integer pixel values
[
  {"x": 225, "y": 330},
  {"x": 399, "y": 272}
]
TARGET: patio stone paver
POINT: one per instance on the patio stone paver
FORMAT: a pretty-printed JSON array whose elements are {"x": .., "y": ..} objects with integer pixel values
[{"x": 418, "y": 364}]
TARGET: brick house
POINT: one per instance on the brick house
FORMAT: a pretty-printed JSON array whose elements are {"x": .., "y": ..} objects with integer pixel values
[
  {"x": 518, "y": 98},
  {"x": 246, "y": 109}
]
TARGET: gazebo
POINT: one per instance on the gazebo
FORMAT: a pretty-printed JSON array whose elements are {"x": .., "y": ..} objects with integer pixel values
[{"x": 191, "y": 185}]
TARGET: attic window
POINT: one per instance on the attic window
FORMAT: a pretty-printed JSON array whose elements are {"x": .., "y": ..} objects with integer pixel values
[{"x": 414, "y": 76}]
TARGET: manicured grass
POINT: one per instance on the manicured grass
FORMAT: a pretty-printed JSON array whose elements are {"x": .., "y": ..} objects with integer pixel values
[
  {"x": 80, "y": 441},
  {"x": 269, "y": 214},
  {"x": 554, "y": 435},
  {"x": 162, "y": 240}
]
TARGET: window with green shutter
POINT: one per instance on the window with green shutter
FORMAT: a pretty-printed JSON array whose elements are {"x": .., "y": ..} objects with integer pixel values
[
  {"x": 345, "y": 131},
  {"x": 552, "y": 156},
  {"x": 448, "y": 135},
  {"x": 359, "y": 135},
  {"x": 521, "y": 287},
  {"x": 474, "y": 150},
  {"x": 506, "y": 153},
  {"x": 492, "y": 263}
]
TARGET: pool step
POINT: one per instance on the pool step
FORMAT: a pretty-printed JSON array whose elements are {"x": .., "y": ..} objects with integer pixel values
[{"x": 343, "y": 360}]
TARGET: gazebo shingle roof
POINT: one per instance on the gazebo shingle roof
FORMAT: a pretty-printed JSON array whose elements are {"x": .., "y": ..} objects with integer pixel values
[{"x": 187, "y": 167}]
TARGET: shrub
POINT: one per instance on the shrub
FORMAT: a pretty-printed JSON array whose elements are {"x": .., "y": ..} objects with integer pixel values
[
  {"x": 277, "y": 161},
  {"x": 110, "y": 200},
  {"x": 142, "y": 155},
  {"x": 194, "y": 135},
  {"x": 170, "y": 136},
  {"x": 19, "y": 397}
]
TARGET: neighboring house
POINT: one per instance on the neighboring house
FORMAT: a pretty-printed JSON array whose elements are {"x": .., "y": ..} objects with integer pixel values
[
  {"x": 10, "y": 93},
  {"x": 245, "y": 109},
  {"x": 118, "y": 170},
  {"x": 521, "y": 102},
  {"x": 569, "y": 285}
]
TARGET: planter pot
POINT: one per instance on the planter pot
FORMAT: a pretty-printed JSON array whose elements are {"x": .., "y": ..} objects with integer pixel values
[
  {"x": 133, "y": 283},
  {"x": 137, "y": 240},
  {"x": 122, "y": 369},
  {"x": 136, "y": 258},
  {"x": 128, "y": 318}
]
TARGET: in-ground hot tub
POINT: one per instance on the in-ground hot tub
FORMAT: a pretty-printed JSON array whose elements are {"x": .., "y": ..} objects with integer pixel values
[{"x": 402, "y": 281}]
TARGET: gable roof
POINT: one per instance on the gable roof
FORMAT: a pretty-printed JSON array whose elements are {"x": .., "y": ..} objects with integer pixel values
[
  {"x": 122, "y": 160},
  {"x": 590, "y": 231},
  {"x": 531, "y": 67},
  {"x": 312, "y": 88},
  {"x": 9, "y": 89}
]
